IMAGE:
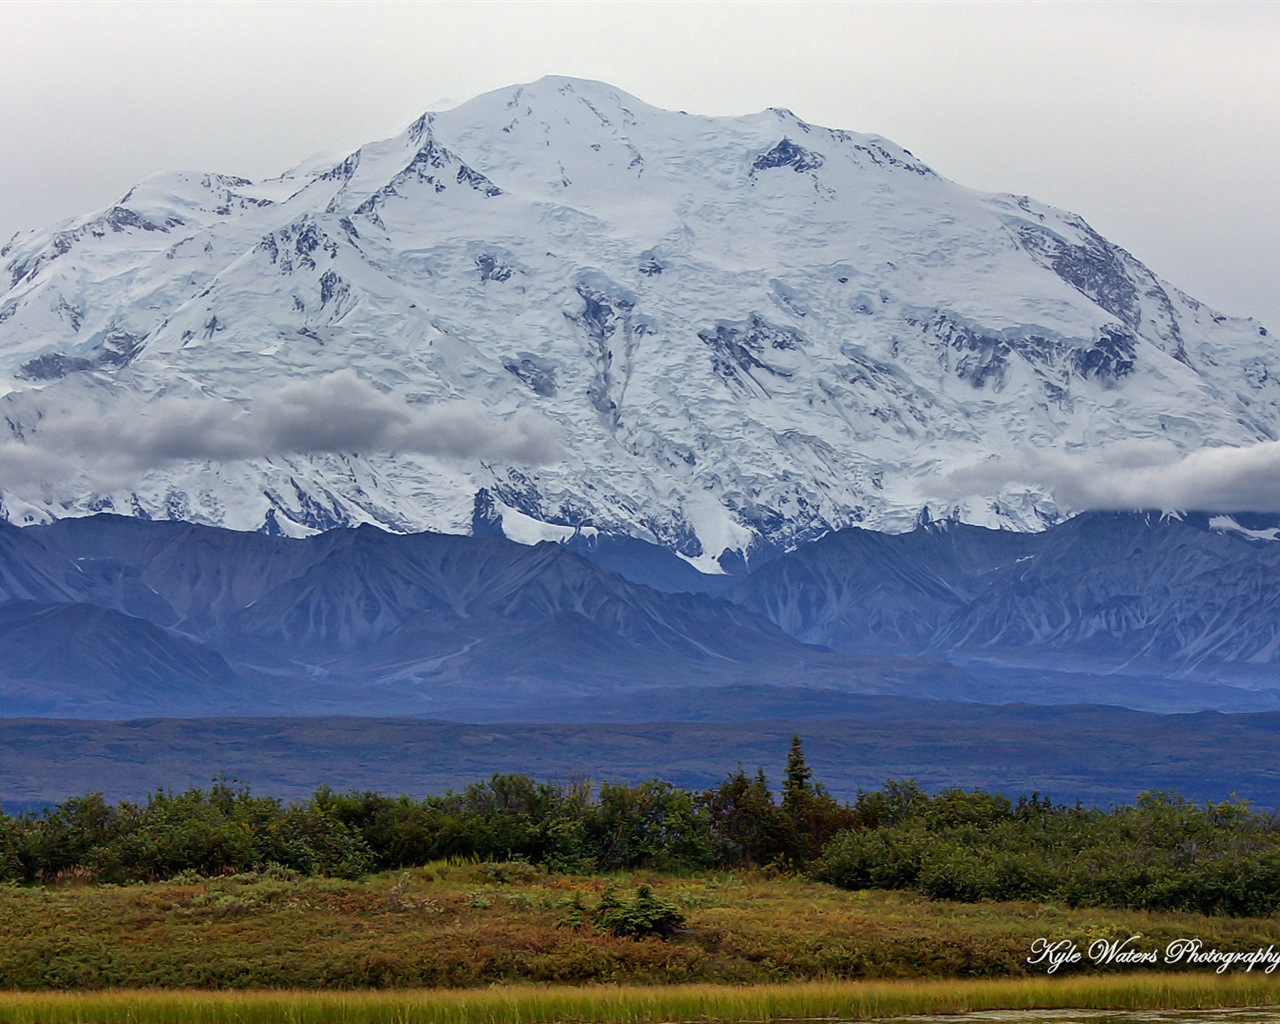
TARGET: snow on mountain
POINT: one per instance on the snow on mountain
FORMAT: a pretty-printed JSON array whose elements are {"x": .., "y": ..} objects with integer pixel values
[{"x": 746, "y": 332}]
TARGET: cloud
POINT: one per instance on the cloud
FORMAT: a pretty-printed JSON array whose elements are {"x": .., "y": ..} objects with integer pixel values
[
  {"x": 1138, "y": 475},
  {"x": 339, "y": 413}
]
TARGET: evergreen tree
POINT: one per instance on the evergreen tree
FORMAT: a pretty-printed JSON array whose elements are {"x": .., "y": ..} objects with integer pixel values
[
  {"x": 747, "y": 827},
  {"x": 797, "y": 803},
  {"x": 797, "y": 784},
  {"x": 811, "y": 814}
]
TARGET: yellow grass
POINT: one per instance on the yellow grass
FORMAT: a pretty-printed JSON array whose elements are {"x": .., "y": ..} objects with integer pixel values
[{"x": 615, "y": 1004}]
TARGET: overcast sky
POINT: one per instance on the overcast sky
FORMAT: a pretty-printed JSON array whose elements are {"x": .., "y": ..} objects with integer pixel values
[{"x": 1158, "y": 122}]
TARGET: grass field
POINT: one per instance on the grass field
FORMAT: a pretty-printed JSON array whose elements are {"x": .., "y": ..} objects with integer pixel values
[
  {"x": 614, "y": 1004},
  {"x": 467, "y": 926}
]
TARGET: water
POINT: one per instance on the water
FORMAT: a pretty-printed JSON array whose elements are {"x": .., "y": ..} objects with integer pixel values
[{"x": 1251, "y": 1015}]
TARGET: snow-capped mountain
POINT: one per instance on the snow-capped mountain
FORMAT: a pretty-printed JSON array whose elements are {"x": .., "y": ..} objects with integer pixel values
[{"x": 744, "y": 332}]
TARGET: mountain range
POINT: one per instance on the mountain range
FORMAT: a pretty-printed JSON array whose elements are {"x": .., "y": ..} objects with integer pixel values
[
  {"x": 556, "y": 407},
  {"x": 117, "y": 617}
]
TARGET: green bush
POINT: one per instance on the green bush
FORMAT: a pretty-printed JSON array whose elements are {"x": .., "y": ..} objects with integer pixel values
[
  {"x": 1162, "y": 853},
  {"x": 645, "y": 913},
  {"x": 650, "y": 825},
  {"x": 873, "y": 859}
]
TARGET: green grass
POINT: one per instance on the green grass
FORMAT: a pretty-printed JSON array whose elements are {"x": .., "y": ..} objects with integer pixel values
[
  {"x": 613, "y": 1004},
  {"x": 462, "y": 927}
]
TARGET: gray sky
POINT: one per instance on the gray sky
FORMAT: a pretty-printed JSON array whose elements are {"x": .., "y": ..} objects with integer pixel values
[{"x": 1158, "y": 122}]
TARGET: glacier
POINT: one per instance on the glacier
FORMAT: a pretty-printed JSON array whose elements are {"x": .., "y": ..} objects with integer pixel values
[{"x": 746, "y": 333}]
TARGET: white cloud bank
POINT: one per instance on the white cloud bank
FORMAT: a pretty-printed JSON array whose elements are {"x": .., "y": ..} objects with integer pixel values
[
  {"x": 339, "y": 413},
  {"x": 1139, "y": 475}
]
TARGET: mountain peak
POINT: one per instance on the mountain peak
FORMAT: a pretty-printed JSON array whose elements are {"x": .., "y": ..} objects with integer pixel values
[{"x": 744, "y": 331}]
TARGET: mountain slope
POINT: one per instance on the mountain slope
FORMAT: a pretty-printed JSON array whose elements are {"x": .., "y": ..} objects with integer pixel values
[
  {"x": 107, "y": 616},
  {"x": 81, "y": 660},
  {"x": 746, "y": 331},
  {"x": 114, "y": 617},
  {"x": 1104, "y": 592}
]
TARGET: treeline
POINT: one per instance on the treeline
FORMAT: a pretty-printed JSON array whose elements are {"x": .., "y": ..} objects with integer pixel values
[
  {"x": 1162, "y": 853},
  {"x": 573, "y": 828}
]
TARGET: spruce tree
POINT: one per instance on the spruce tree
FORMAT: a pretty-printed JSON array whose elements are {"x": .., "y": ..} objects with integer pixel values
[
  {"x": 797, "y": 784},
  {"x": 797, "y": 802}
]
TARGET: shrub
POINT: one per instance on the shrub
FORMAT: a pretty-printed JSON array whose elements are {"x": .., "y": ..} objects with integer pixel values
[
  {"x": 650, "y": 825},
  {"x": 645, "y": 913},
  {"x": 507, "y": 872},
  {"x": 872, "y": 859}
]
